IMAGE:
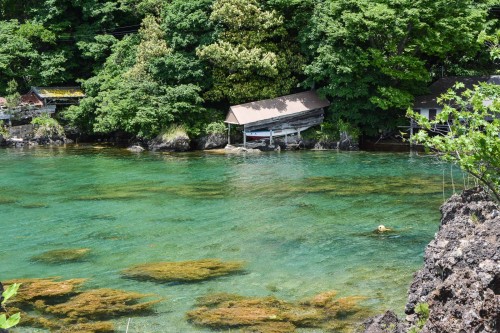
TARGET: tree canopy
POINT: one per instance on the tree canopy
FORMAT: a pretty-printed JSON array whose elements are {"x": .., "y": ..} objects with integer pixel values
[
  {"x": 148, "y": 64},
  {"x": 374, "y": 56}
]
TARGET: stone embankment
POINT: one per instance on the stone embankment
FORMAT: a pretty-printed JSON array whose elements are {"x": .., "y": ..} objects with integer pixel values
[{"x": 460, "y": 280}]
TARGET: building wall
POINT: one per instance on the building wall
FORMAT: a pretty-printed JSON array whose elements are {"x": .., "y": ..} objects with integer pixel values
[{"x": 425, "y": 112}]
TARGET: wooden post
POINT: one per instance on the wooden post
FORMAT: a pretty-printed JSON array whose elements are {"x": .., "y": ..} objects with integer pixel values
[
  {"x": 228, "y": 134},
  {"x": 244, "y": 136},
  {"x": 270, "y": 137},
  {"x": 286, "y": 138},
  {"x": 411, "y": 133},
  {"x": 298, "y": 133}
]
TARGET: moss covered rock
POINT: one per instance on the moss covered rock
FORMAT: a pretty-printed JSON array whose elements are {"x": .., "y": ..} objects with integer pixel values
[{"x": 183, "y": 271}]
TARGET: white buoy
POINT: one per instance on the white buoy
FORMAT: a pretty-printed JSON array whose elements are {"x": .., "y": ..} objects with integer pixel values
[{"x": 382, "y": 228}]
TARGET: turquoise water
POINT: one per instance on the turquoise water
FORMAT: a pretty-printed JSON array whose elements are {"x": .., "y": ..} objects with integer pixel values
[{"x": 301, "y": 221}]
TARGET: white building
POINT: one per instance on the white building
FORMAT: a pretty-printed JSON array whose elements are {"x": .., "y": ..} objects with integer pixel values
[{"x": 428, "y": 106}]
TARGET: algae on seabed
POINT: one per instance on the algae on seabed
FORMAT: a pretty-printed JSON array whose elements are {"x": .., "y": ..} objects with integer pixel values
[
  {"x": 59, "y": 307},
  {"x": 33, "y": 289},
  {"x": 183, "y": 271},
  {"x": 271, "y": 315},
  {"x": 62, "y": 256},
  {"x": 100, "y": 303}
]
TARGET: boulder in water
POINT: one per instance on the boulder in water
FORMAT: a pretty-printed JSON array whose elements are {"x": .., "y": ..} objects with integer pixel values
[{"x": 135, "y": 149}]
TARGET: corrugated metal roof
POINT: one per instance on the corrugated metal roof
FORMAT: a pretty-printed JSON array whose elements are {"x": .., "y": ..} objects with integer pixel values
[
  {"x": 58, "y": 92},
  {"x": 280, "y": 107},
  {"x": 442, "y": 85}
]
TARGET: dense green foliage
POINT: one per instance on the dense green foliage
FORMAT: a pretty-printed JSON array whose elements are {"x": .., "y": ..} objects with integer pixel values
[
  {"x": 148, "y": 64},
  {"x": 473, "y": 137},
  {"x": 250, "y": 58},
  {"x": 374, "y": 56}
]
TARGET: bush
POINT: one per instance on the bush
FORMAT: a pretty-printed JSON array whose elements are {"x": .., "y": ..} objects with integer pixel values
[
  {"x": 348, "y": 128},
  {"x": 4, "y": 131},
  {"x": 174, "y": 132},
  {"x": 216, "y": 128},
  {"x": 422, "y": 310},
  {"x": 330, "y": 131},
  {"x": 47, "y": 127},
  {"x": 471, "y": 139}
]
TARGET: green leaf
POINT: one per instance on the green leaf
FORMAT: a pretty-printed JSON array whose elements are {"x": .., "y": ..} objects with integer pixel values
[
  {"x": 13, "y": 320},
  {"x": 3, "y": 320},
  {"x": 11, "y": 291}
]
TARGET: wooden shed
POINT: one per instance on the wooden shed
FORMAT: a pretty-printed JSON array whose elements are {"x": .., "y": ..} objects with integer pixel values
[{"x": 278, "y": 116}]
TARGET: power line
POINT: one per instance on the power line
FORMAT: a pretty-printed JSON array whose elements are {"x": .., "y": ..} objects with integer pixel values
[
  {"x": 118, "y": 32},
  {"x": 126, "y": 26},
  {"x": 80, "y": 36}
]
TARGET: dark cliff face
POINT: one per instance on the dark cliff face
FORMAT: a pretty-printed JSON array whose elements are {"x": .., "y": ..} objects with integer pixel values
[{"x": 460, "y": 280}]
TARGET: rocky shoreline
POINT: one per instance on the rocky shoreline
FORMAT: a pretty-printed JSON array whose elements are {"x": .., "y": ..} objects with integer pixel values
[
  {"x": 26, "y": 136},
  {"x": 458, "y": 289}
]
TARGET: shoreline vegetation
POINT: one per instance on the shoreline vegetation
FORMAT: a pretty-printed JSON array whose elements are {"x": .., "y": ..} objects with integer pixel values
[{"x": 148, "y": 66}]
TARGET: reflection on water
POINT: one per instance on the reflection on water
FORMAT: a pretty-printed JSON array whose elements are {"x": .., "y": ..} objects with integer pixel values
[{"x": 301, "y": 221}]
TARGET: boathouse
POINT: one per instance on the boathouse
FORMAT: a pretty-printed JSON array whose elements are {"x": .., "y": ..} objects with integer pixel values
[
  {"x": 427, "y": 105},
  {"x": 278, "y": 116}
]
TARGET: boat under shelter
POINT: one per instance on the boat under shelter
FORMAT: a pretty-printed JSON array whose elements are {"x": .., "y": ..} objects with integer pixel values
[{"x": 278, "y": 116}]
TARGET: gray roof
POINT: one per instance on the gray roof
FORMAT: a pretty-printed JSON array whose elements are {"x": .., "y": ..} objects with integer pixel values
[
  {"x": 273, "y": 109},
  {"x": 444, "y": 84}
]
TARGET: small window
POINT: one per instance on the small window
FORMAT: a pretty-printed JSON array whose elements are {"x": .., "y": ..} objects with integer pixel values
[
  {"x": 417, "y": 111},
  {"x": 432, "y": 114}
]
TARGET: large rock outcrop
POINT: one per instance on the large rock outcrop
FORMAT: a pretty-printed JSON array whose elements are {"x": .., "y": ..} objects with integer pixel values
[
  {"x": 178, "y": 143},
  {"x": 460, "y": 280},
  {"x": 30, "y": 135},
  {"x": 212, "y": 141}
]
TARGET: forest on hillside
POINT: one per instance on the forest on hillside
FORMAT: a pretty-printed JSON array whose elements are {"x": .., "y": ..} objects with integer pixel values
[{"x": 148, "y": 64}]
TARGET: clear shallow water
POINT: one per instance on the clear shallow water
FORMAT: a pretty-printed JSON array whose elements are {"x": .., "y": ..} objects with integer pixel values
[{"x": 301, "y": 221}]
